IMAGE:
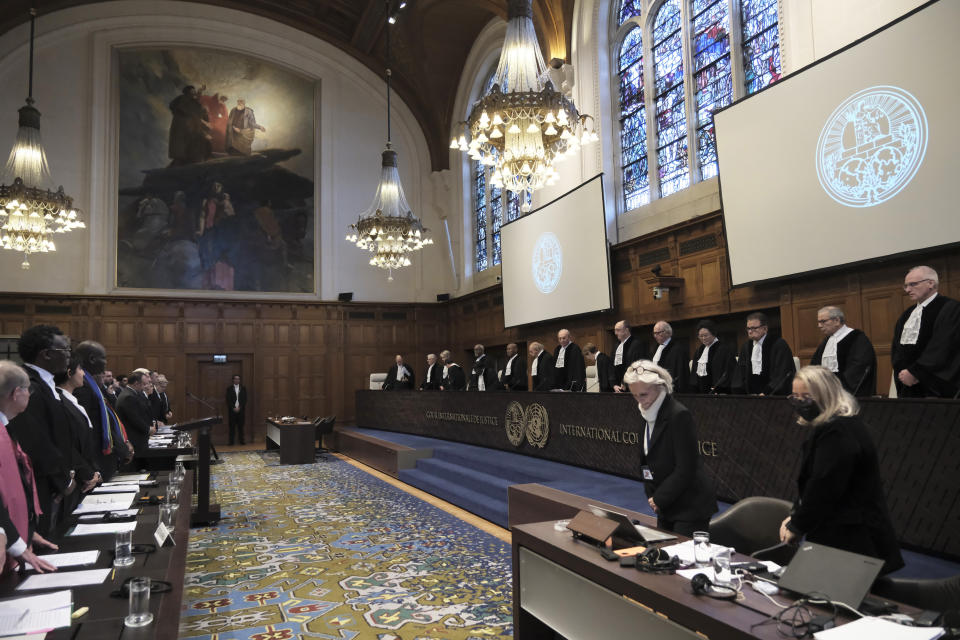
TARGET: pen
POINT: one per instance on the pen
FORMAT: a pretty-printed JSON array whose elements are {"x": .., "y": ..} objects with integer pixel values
[
  {"x": 113, "y": 574},
  {"x": 23, "y": 615}
]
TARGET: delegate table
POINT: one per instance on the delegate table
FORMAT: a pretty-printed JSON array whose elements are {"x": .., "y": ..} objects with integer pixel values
[
  {"x": 750, "y": 445},
  {"x": 294, "y": 439},
  {"x": 104, "y": 620}
]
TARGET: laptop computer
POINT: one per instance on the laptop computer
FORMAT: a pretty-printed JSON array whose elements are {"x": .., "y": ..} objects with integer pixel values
[
  {"x": 629, "y": 531},
  {"x": 842, "y": 576}
]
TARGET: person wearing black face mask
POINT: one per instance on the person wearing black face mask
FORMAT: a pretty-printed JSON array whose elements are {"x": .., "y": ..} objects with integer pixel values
[{"x": 841, "y": 501}]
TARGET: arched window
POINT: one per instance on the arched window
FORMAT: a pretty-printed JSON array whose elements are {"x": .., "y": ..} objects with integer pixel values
[{"x": 693, "y": 73}]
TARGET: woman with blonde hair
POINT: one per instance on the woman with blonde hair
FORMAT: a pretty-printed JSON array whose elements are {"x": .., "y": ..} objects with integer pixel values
[
  {"x": 841, "y": 501},
  {"x": 676, "y": 484}
]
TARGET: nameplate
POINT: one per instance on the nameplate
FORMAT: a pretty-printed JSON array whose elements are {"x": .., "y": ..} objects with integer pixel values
[
  {"x": 591, "y": 527},
  {"x": 162, "y": 534}
]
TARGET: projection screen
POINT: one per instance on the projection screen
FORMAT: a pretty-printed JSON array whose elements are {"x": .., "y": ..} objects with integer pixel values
[
  {"x": 848, "y": 160},
  {"x": 556, "y": 260}
]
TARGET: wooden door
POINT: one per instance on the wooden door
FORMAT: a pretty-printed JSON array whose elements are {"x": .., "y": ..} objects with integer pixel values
[{"x": 209, "y": 380}]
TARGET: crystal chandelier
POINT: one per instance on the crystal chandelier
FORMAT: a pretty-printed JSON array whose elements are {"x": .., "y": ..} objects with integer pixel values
[
  {"x": 30, "y": 212},
  {"x": 523, "y": 125},
  {"x": 387, "y": 228}
]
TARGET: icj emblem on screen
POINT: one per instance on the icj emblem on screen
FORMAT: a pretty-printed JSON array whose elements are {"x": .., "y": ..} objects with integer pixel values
[
  {"x": 871, "y": 146},
  {"x": 547, "y": 262}
]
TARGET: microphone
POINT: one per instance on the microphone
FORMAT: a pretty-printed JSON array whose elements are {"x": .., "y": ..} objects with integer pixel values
[
  {"x": 863, "y": 379},
  {"x": 202, "y": 401},
  {"x": 780, "y": 383},
  {"x": 723, "y": 378}
]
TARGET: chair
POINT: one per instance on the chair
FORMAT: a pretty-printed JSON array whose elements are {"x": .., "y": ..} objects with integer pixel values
[
  {"x": 324, "y": 426},
  {"x": 593, "y": 382},
  {"x": 796, "y": 363},
  {"x": 751, "y": 525},
  {"x": 936, "y": 594},
  {"x": 893, "y": 385},
  {"x": 377, "y": 380}
]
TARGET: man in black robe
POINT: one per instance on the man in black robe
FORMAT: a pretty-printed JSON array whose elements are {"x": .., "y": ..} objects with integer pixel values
[
  {"x": 924, "y": 350},
  {"x": 400, "y": 377},
  {"x": 108, "y": 440},
  {"x": 541, "y": 368},
  {"x": 569, "y": 370},
  {"x": 604, "y": 365},
  {"x": 454, "y": 379},
  {"x": 431, "y": 377},
  {"x": 628, "y": 351},
  {"x": 847, "y": 352},
  {"x": 515, "y": 371},
  {"x": 765, "y": 366},
  {"x": 483, "y": 374},
  {"x": 672, "y": 356}
]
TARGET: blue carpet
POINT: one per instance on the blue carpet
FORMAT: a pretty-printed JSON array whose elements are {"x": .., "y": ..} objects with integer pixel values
[{"x": 453, "y": 475}]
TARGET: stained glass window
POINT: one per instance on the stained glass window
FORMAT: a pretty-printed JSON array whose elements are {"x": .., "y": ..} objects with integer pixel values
[
  {"x": 480, "y": 211},
  {"x": 711, "y": 73},
  {"x": 629, "y": 9},
  {"x": 496, "y": 220},
  {"x": 761, "y": 43},
  {"x": 669, "y": 102},
  {"x": 633, "y": 125},
  {"x": 514, "y": 202}
]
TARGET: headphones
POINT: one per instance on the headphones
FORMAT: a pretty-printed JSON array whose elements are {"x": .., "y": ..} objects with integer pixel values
[
  {"x": 703, "y": 586},
  {"x": 656, "y": 560}
]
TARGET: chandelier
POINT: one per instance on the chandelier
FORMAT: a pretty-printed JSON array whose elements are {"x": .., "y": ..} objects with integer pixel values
[
  {"x": 523, "y": 125},
  {"x": 29, "y": 212},
  {"x": 387, "y": 228}
]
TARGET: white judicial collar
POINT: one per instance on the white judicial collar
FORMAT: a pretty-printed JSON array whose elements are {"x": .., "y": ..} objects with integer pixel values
[
  {"x": 429, "y": 371},
  {"x": 618, "y": 357},
  {"x": 702, "y": 361},
  {"x": 533, "y": 369},
  {"x": 445, "y": 373},
  {"x": 559, "y": 363},
  {"x": 756, "y": 357},
  {"x": 659, "y": 353},
  {"x": 47, "y": 377},
  {"x": 911, "y": 328},
  {"x": 829, "y": 357},
  {"x": 509, "y": 368}
]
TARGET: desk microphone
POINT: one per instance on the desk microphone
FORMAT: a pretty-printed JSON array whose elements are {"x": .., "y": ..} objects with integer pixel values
[
  {"x": 201, "y": 401},
  {"x": 863, "y": 379},
  {"x": 774, "y": 389},
  {"x": 715, "y": 388}
]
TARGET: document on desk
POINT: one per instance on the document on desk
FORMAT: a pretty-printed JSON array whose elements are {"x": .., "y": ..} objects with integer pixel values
[
  {"x": 101, "y": 528},
  {"x": 105, "y": 502},
  {"x": 117, "y": 488},
  {"x": 62, "y": 560},
  {"x": 63, "y": 579},
  {"x": 35, "y": 614},
  {"x": 878, "y": 629},
  {"x": 128, "y": 478},
  {"x": 684, "y": 551},
  {"x": 99, "y": 517}
]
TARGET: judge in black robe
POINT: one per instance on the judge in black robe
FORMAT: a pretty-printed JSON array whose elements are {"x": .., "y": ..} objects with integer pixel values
[
  {"x": 938, "y": 368},
  {"x": 721, "y": 362},
  {"x": 543, "y": 376},
  {"x": 571, "y": 374},
  {"x": 405, "y": 381},
  {"x": 431, "y": 377},
  {"x": 674, "y": 356},
  {"x": 776, "y": 361},
  {"x": 135, "y": 416},
  {"x": 924, "y": 381},
  {"x": 627, "y": 352},
  {"x": 483, "y": 369},
  {"x": 516, "y": 378},
  {"x": 456, "y": 379},
  {"x": 856, "y": 360},
  {"x": 604, "y": 365}
]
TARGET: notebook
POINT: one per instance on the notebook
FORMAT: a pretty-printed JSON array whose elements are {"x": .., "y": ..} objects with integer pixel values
[{"x": 842, "y": 576}]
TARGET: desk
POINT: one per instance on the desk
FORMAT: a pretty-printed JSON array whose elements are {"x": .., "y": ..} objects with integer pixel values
[
  {"x": 104, "y": 621},
  {"x": 296, "y": 441}
]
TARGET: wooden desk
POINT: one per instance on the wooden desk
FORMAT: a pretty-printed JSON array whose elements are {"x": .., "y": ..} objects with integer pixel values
[
  {"x": 104, "y": 621},
  {"x": 296, "y": 441}
]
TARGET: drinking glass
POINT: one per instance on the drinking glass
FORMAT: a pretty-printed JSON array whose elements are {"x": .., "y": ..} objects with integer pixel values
[
  {"x": 123, "y": 549},
  {"x": 168, "y": 515},
  {"x": 721, "y": 568},
  {"x": 139, "y": 614},
  {"x": 701, "y": 548}
]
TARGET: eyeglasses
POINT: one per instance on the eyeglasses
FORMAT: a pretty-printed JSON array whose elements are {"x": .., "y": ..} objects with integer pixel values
[
  {"x": 661, "y": 332},
  {"x": 639, "y": 368},
  {"x": 60, "y": 349},
  {"x": 752, "y": 329},
  {"x": 825, "y": 321},
  {"x": 913, "y": 285}
]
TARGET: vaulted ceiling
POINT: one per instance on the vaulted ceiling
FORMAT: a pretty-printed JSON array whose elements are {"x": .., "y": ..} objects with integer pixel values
[{"x": 430, "y": 44}]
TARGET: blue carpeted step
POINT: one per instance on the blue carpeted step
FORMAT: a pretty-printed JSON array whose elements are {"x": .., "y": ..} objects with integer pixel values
[
  {"x": 492, "y": 509},
  {"x": 493, "y": 486},
  {"x": 519, "y": 468}
]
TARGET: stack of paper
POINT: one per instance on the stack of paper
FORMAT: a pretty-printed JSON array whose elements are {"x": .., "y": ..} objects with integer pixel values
[
  {"x": 61, "y": 560},
  {"x": 128, "y": 478},
  {"x": 105, "y": 502},
  {"x": 101, "y": 528},
  {"x": 62, "y": 579},
  {"x": 35, "y": 614},
  {"x": 878, "y": 629}
]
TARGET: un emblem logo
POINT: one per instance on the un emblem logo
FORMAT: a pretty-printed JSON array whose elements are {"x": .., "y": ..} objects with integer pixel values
[
  {"x": 538, "y": 425},
  {"x": 514, "y": 423},
  {"x": 871, "y": 146},
  {"x": 547, "y": 262}
]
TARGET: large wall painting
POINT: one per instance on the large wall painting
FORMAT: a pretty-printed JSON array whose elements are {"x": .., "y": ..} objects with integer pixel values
[{"x": 216, "y": 173}]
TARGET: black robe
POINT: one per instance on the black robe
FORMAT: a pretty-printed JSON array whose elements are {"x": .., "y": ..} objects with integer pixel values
[
  {"x": 676, "y": 359},
  {"x": 632, "y": 351},
  {"x": 543, "y": 381},
  {"x": 856, "y": 363},
  {"x": 721, "y": 369},
  {"x": 777, "y": 368},
  {"x": 456, "y": 378},
  {"x": 136, "y": 418},
  {"x": 517, "y": 380},
  {"x": 938, "y": 367},
  {"x": 573, "y": 375},
  {"x": 605, "y": 372},
  {"x": 433, "y": 371},
  {"x": 392, "y": 384},
  {"x": 905, "y": 356},
  {"x": 107, "y": 463},
  {"x": 483, "y": 367}
]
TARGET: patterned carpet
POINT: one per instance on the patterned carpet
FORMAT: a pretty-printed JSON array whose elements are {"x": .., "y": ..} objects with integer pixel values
[{"x": 328, "y": 551}]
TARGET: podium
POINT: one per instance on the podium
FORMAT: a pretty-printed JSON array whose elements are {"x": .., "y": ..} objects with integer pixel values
[{"x": 205, "y": 512}]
